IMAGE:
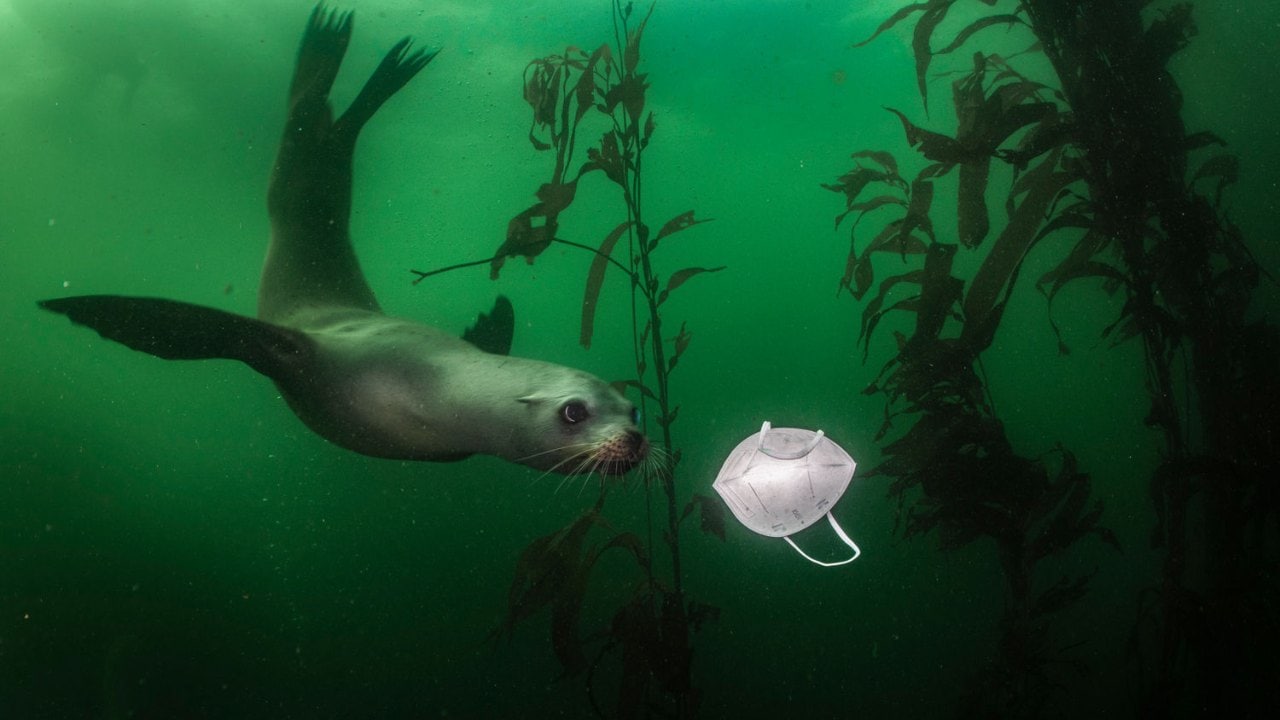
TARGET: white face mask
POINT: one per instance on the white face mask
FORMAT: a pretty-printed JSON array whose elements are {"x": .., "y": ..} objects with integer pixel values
[{"x": 780, "y": 481}]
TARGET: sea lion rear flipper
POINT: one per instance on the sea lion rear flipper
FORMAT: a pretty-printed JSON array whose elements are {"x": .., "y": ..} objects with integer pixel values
[
  {"x": 310, "y": 260},
  {"x": 181, "y": 331},
  {"x": 396, "y": 69},
  {"x": 494, "y": 331},
  {"x": 324, "y": 44}
]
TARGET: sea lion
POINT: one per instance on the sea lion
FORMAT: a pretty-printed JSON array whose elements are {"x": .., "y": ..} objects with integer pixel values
[{"x": 372, "y": 383}]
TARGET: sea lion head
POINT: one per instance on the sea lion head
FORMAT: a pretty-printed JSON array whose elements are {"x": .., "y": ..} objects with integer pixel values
[{"x": 580, "y": 424}]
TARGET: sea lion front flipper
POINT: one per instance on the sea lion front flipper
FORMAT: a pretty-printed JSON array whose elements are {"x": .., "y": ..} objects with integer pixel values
[
  {"x": 494, "y": 331},
  {"x": 181, "y": 331}
]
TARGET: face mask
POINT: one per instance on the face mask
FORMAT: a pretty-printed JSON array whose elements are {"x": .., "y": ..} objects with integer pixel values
[{"x": 780, "y": 481}]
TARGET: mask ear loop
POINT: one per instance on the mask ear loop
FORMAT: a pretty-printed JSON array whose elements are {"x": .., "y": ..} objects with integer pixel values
[{"x": 840, "y": 533}]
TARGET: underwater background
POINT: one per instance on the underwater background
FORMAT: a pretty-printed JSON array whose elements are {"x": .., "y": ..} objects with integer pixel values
[{"x": 174, "y": 543}]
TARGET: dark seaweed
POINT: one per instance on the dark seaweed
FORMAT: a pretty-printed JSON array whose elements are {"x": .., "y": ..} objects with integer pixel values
[
  {"x": 1104, "y": 159},
  {"x": 954, "y": 472}
]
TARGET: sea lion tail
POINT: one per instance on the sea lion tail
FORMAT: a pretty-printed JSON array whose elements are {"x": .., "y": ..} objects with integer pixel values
[{"x": 181, "y": 331}]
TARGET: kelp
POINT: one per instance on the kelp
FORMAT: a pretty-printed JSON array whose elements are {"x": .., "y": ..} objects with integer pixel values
[
  {"x": 553, "y": 572},
  {"x": 649, "y": 637},
  {"x": 1138, "y": 220},
  {"x": 953, "y": 470},
  {"x": 1188, "y": 279}
]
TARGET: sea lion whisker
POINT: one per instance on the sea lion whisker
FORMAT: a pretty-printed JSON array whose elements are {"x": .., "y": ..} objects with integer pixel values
[
  {"x": 594, "y": 461},
  {"x": 556, "y": 466},
  {"x": 586, "y": 446},
  {"x": 645, "y": 467},
  {"x": 569, "y": 477},
  {"x": 582, "y": 462},
  {"x": 652, "y": 462},
  {"x": 585, "y": 461},
  {"x": 649, "y": 466},
  {"x": 561, "y": 463}
]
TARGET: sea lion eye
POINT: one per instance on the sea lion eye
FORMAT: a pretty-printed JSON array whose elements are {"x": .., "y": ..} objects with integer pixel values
[
  {"x": 574, "y": 412},
  {"x": 635, "y": 416}
]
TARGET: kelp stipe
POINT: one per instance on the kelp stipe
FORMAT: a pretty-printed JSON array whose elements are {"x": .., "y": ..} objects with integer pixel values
[
  {"x": 651, "y": 634},
  {"x": 953, "y": 468},
  {"x": 1144, "y": 224}
]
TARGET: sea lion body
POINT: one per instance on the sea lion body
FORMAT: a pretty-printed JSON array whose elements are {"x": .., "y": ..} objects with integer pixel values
[
  {"x": 394, "y": 388},
  {"x": 372, "y": 383}
]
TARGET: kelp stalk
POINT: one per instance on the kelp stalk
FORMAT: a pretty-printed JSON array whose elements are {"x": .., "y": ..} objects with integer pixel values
[{"x": 652, "y": 632}]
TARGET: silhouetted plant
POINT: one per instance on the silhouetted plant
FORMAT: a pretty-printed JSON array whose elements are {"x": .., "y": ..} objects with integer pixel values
[
  {"x": 1188, "y": 280},
  {"x": 1106, "y": 159},
  {"x": 651, "y": 632},
  {"x": 954, "y": 470}
]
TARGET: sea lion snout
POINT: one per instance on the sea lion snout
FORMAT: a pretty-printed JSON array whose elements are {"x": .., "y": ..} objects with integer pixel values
[
  {"x": 622, "y": 452},
  {"x": 639, "y": 444}
]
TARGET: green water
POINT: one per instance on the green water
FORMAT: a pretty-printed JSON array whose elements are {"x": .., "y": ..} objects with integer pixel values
[{"x": 175, "y": 543}]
